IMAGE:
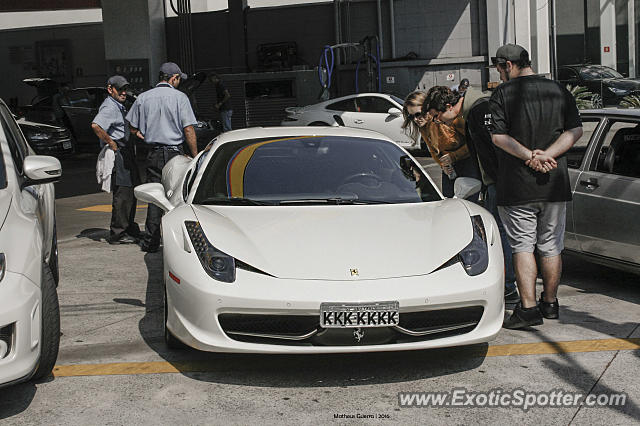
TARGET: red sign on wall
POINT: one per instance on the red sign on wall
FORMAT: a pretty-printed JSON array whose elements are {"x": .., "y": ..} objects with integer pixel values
[{"x": 606, "y": 48}]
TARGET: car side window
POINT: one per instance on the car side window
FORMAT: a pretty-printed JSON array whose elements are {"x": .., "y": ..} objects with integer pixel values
[
  {"x": 347, "y": 105},
  {"x": 186, "y": 185},
  {"x": 576, "y": 153},
  {"x": 373, "y": 104},
  {"x": 3, "y": 172},
  {"x": 17, "y": 144},
  {"x": 619, "y": 153},
  {"x": 80, "y": 98},
  {"x": 566, "y": 74}
]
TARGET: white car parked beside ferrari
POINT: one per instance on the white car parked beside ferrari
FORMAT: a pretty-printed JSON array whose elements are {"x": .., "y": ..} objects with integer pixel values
[
  {"x": 370, "y": 111},
  {"x": 317, "y": 240},
  {"x": 29, "y": 312}
]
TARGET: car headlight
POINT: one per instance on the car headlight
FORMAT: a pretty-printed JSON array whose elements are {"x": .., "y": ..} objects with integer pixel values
[
  {"x": 220, "y": 266},
  {"x": 3, "y": 266},
  {"x": 619, "y": 92},
  {"x": 475, "y": 256},
  {"x": 38, "y": 136}
]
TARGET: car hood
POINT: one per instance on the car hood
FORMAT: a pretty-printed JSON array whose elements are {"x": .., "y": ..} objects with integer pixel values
[
  {"x": 330, "y": 242},
  {"x": 38, "y": 126},
  {"x": 624, "y": 84},
  {"x": 5, "y": 203}
]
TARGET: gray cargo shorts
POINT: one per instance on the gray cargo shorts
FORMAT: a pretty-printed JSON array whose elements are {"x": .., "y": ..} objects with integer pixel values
[{"x": 532, "y": 225}]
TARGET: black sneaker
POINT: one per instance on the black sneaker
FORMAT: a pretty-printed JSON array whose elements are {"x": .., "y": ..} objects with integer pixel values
[
  {"x": 125, "y": 239},
  {"x": 523, "y": 317},
  {"x": 511, "y": 296},
  {"x": 549, "y": 310}
]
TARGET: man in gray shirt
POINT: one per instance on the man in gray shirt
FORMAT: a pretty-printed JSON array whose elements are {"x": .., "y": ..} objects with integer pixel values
[
  {"x": 164, "y": 119},
  {"x": 112, "y": 130}
]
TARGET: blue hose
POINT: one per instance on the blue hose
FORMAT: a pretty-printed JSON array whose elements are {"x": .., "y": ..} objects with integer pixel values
[{"x": 327, "y": 66}]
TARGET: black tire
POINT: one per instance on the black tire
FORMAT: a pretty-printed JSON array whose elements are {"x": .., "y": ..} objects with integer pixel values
[
  {"x": 50, "y": 328},
  {"x": 53, "y": 257},
  {"x": 318, "y": 123},
  {"x": 171, "y": 340}
]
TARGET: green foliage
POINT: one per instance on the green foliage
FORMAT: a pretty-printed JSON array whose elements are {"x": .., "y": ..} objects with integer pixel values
[
  {"x": 584, "y": 98},
  {"x": 630, "y": 101}
]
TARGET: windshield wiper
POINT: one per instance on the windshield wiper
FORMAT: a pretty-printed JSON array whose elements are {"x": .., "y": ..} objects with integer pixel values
[
  {"x": 332, "y": 201},
  {"x": 234, "y": 201}
]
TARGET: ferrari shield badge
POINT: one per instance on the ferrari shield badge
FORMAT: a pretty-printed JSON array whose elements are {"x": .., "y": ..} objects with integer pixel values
[
  {"x": 358, "y": 334},
  {"x": 354, "y": 272}
]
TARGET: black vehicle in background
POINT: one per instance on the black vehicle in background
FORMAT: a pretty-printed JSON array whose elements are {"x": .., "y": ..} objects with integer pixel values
[
  {"x": 608, "y": 86},
  {"x": 46, "y": 139},
  {"x": 81, "y": 105}
]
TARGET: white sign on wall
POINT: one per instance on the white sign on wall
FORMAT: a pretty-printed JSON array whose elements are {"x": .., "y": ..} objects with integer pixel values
[
  {"x": 391, "y": 79},
  {"x": 451, "y": 77}
]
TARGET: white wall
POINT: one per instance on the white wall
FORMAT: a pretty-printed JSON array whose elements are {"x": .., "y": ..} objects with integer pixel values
[{"x": 12, "y": 20}]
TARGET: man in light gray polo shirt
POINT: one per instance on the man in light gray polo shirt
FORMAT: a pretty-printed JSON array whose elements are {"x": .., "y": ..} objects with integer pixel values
[
  {"x": 164, "y": 119},
  {"x": 112, "y": 130}
]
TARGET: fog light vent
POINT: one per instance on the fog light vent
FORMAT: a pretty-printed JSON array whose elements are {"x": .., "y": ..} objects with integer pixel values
[{"x": 6, "y": 340}]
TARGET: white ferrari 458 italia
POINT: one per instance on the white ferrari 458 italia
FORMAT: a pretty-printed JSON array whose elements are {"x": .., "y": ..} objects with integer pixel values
[{"x": 317, "y": 240}]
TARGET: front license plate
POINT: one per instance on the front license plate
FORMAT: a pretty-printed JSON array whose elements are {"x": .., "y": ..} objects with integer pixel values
[
  {"x": 66, "y": 144},
  {"x": 346, "y": 315}
]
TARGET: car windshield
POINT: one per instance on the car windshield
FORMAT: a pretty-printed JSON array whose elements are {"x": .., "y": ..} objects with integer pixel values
[
  {"x": 597, "y": 73},
  {"x": 329, "y": 170},
  {"x": 397, "y": 99}
]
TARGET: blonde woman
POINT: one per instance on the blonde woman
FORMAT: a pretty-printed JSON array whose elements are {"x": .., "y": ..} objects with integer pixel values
[{"x": 414, "y": 119}]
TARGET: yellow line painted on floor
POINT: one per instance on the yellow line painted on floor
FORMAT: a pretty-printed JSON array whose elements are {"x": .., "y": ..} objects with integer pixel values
[
  {"x": 158, "y": 367},
  {"x": 105, "y": 208}
]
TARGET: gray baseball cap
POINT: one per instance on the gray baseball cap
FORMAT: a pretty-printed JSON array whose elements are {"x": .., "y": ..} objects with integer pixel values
[
  {"x": 170, "y": 68},
  {"x": 117, "y": 81},
  {"x": 510, "y": 52}
]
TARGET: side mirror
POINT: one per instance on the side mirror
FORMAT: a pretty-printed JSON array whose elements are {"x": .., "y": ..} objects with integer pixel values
[
  {"x": 394, "y": 111},
  {"x": 153, "y": 193},
  {"x": 40, "y": 169},
  {"x": 464, "y": 187}
]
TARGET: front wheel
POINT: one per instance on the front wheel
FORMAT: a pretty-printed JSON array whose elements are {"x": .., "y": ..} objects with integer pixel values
[
  {"x": 50, "y": 325},
  {"x": 596, "y": 101}
]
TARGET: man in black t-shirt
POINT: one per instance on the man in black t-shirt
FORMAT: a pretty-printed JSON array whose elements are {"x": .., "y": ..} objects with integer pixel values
[
  {"x": 222, "y": 102},
  {"x": 534, "y": 122}
]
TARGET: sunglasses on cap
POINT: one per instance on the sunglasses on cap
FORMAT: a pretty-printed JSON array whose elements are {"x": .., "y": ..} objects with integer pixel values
[{"x": 496, "y": 60}]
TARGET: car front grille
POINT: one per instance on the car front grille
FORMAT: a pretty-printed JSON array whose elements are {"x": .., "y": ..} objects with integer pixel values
[
  {"x": 268, "y": 324},
  {"x": 305, "y": 329},
  {"x": 7, "y": 337}
]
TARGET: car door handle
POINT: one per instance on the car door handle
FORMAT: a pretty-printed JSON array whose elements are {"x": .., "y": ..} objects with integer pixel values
[
  {"x": 358, "y": 121},
  {"x": 591, "y": 182}
]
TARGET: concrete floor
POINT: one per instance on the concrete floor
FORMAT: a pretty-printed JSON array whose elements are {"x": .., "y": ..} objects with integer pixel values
[{"x": 114, "y": 368}]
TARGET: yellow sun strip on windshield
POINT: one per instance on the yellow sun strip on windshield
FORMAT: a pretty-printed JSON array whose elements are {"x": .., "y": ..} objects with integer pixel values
[
  {"x": 236, "y": 169},
  {"x": 472, "y": 351},
  {"x": 105, "y": 208}
]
